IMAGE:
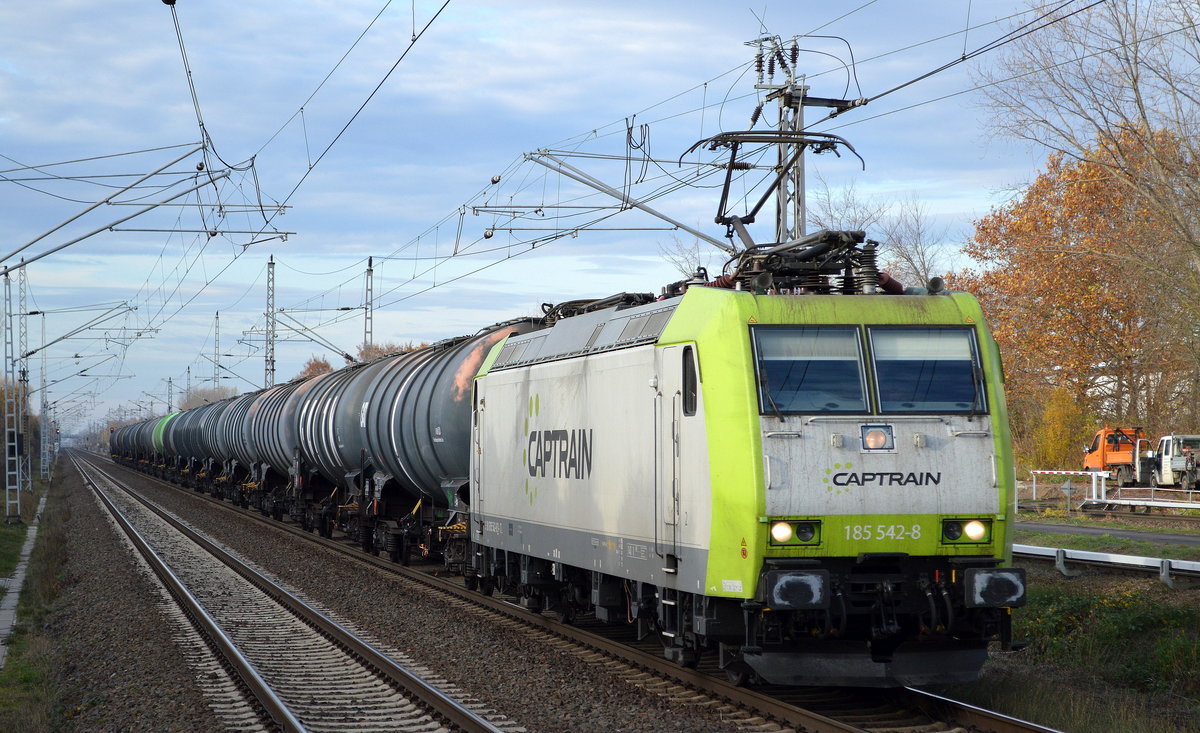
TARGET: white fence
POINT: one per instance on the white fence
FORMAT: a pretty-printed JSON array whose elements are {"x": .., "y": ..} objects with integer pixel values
[{"x": 1145, "y": 496}]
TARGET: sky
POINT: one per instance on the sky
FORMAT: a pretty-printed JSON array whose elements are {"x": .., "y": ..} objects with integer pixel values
[{"x": 333, "y": 137}]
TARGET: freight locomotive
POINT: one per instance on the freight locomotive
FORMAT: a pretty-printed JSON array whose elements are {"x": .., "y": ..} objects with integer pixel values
[{"x": 798, "y": 467}]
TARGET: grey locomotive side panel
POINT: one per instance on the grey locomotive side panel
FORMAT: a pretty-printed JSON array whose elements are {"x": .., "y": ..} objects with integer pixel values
[{"x": 570, "y": 457}]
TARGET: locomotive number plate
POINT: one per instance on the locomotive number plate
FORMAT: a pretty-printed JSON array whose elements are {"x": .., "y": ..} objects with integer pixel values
[{"x": 883, "y": 532}]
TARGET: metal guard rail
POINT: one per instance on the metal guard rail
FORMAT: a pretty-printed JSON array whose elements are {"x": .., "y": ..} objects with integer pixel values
[{"x": 1167, "y": 569}]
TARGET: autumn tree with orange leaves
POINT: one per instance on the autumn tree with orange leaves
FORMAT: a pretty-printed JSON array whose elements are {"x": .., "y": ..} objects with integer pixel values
[
  {"x": 1084, "y": 293},
  {"x": 314, "y": 367}
]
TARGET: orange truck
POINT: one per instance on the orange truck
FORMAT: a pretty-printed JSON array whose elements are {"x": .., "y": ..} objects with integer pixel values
[{"x": 1123, "y": 453}]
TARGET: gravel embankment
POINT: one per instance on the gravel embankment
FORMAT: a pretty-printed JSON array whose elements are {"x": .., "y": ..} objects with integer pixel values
[
  {"x": 539, "y": 687},
  {"x": 118, "y": 664}
]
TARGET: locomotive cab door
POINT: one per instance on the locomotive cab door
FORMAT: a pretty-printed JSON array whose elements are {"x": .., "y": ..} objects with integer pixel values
[
  {"x": 475, "y": 496},
  {"x": 675, "y": 402}
]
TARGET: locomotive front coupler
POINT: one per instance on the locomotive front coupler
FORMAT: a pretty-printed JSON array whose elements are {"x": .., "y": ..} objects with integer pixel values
[{"x": 885, "y": 624}]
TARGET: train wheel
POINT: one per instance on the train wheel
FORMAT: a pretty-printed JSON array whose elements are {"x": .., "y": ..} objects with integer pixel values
[
  {"x": 405, "y": 551},
  {"x": 530, "y": 599},
  {"x": 562, "y": 607},
  {"x": 487, "y": 585},
  {"x": 738, "y": 676},
  {"x": 737, "y": 671},
  {"x": 471, "y": 582}
]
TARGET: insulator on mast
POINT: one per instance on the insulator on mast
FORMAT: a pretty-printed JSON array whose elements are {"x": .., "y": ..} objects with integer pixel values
[
  {"x": 783, "y": 64},
  {"x": 758, "y": 65},
  {"x": 771, "y": 67},
  {"x": 795, "y": 53},
  {"x": 756, "y": 114},
  {"x": 868, "y": 268}
]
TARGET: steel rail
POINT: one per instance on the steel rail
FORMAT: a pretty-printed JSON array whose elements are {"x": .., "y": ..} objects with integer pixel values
[
  {"x": 246, "y": 671},
  {"x": 442, "y": 704},
  {"x": 968, "y": 716}
]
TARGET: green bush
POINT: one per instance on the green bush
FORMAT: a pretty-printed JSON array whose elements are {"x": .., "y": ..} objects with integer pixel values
[{"x": 1128, "y": 638}]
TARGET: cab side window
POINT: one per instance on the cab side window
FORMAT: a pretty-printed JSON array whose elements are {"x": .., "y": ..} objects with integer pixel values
[{"x": 691, "y": 384}]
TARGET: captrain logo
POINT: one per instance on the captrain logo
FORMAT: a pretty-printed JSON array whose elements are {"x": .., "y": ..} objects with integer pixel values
[
  {"x": 557, "y": 453},
  {"x": 841, "y": 478}
]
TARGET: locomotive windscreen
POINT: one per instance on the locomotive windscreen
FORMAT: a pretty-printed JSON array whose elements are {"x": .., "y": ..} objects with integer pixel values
[
  {"x": 927, "y": 370},
  {"x": 809, "y": 369}
]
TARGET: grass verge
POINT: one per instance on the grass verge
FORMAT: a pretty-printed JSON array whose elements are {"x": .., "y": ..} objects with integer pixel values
[
  {"x": 27, "y": 688},
  {"x": 12, "y": 536},
  {"x": 1105, "y": 654}
]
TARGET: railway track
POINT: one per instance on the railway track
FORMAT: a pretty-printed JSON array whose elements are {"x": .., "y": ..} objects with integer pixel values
[
  {"x": 1181, "y": 521},
  {"x": 614, "y": 648},
  {"x": 303, "y": 671}
]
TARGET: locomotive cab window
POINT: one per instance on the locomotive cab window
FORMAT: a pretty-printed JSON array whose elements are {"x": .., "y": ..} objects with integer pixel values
[
  {"x": 690, "y": 383},
  {"x": 927, "y": 370},
  {"x": 809, "y": 369}
]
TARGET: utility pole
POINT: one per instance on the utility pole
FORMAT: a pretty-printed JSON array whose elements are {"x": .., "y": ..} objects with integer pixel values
[
  {"x": 269, "y": 358},
  {"x": 187, "y": 395},
  {"x": 170, "y": 394},
  {"x": 368, "y": 325}
]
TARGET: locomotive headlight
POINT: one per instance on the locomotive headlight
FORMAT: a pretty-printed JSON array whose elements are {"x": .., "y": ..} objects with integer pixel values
[
  {"x": 952, "y": 530},
  {"x": 975, "y": 530},
  {"x": 781, "y": 532},
  {"x": 806, "y": 531},
  {"x": 965, "y": 530},
  {"x": 878, "y": 437}
]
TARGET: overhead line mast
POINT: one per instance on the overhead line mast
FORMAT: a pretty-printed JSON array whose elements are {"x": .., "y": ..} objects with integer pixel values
[
  {"x": 792, "y": 96},
  {"x": 12, "y": 462},
  {"x": 368, "y": 300},
  {"x": 26, "y": 481},
  {"x": 269, "y": 378}
]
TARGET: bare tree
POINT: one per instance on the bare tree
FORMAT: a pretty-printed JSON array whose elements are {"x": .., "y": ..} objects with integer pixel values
[
  {"x": 913, "y": 247},
  {"x": 844, "y": 208},
  {"x": 688, "y": 257},
  {"x": 198, "y": 397}
]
